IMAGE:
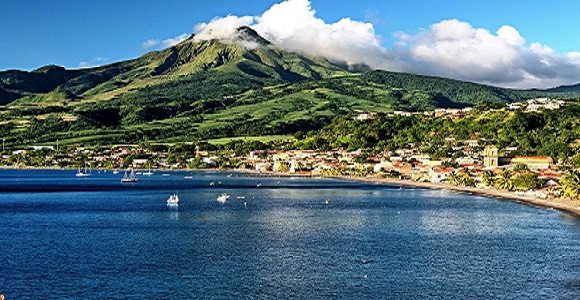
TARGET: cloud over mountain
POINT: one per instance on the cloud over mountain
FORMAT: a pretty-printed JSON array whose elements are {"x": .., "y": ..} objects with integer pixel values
[{"x": 450, "y": 48}]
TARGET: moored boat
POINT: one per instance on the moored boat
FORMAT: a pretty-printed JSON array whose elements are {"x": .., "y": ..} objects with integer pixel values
[
  {"x": 223, "y": 198},
  {"x": 130, "y": 178},
  {"x": 173, "y": 201}
]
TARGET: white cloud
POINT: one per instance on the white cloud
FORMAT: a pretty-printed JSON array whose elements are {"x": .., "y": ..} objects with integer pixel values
[
  {"x": 174, "y": 40},
  {"x": 95, "y": 62},
  {"x": 450, "y": 48},
  {"x": 221, "y": 28},
  {"x": 293, "y": 26},
  {"x": 456, "y": 49},
  {"x": 85, "y": 64},
  {"x": 150, "y": 43}
]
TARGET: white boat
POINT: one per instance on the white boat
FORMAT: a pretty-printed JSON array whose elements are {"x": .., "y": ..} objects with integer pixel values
[
  {"x": 188, "y": 177},
  {"x": 115, "y": 172},
  {"x": 166, "y": 174},
  {"x": 82, "y": 173},
  {"x": 173, "y": 201},
  {"x": 327, "y": 202},
  {"x": 223, "y": 198},
  {"x": 129, "y": 178},
  {"x": 148, "y": 173}
]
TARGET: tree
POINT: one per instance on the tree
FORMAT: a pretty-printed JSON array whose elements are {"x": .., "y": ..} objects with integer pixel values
[
  {"x": 527, "y": 181},
  {"x": 504, "y": 181},
  {"x": 570, "y": 185},
  {"x": 487, "y": 178},
  {"x": 465, "y": 179},
  {"x": 519, "y": 167},
  {"x": 454, "y": 178}
]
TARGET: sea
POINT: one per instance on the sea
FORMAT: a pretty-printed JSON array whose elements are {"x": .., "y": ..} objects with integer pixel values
[{"x": 66, "y": 237}]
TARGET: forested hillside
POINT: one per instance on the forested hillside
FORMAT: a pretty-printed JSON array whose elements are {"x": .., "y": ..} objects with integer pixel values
[{"x": 200, "y": 90}]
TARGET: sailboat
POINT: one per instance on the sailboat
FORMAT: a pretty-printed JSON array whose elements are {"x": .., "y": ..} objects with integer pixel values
[
  {"x": 173, "y": 201},
  {"x": 83, "y": 172},
  {"x": 131, "y": 177},
  {"x": 148, "y": 173}
]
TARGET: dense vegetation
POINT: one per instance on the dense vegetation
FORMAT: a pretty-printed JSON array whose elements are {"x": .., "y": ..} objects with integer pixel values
[{"x": 551, "y": 133}]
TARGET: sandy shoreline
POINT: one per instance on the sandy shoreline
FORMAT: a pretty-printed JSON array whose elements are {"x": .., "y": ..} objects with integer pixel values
[{"x": 569, "y": 206}]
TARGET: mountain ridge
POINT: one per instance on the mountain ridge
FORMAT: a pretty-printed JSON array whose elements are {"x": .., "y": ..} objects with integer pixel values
[
  {"x": 200, "y": 89},
  {"x": 252, "y": 54}
]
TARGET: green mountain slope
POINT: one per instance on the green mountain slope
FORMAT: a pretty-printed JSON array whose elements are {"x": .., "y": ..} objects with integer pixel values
[{"x": 210, "y": 89}]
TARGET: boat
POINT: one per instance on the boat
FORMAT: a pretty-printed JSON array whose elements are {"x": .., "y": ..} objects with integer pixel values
[
  {"x": 223, "y": 198},
  {"x": 188, "y": 177},
  {"x": 173, "y": 201},
  {"x": 82, "y": 173},
  {"x": 327, "y": 202},
  {"x": 241, "y": 197},
  {"x": 148, "y": 173},
  {"x": 115, "y": 172},
  {"x": 129, "y": 178},
  {"x": 165, "y": 174}
]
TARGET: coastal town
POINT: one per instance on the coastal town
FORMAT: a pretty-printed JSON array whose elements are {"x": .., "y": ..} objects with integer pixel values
[{"x": 475, "y": 163}]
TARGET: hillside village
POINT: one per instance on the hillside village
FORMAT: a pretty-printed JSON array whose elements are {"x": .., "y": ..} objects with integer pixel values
[{"x": 476, "y": 162}]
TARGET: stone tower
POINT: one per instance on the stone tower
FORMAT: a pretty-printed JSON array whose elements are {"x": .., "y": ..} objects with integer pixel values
[{"x": 490, "y": 157}]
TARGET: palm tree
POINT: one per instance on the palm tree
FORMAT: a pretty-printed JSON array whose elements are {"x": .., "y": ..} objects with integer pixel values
[
  {"x": 487, "y": 178},
  {"x": 464, "y": 179},
  {"x": 454, "y": 178},
  {"x": 570, "y": 185},
  {"x": 504, "y": 181}
]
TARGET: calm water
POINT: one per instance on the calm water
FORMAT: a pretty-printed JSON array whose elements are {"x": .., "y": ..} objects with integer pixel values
[{"x": 67, "y": 237}]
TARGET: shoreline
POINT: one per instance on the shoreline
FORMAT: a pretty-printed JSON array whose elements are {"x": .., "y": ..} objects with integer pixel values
[{"x": 569, "y": 206}]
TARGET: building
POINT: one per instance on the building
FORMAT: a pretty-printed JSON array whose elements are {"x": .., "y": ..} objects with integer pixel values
[
  {"x": 533, "y": 162},
  {"x": 490, "y": 157}
]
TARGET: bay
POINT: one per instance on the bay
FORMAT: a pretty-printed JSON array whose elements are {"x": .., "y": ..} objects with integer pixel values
[{"x": 94, "y": 237}]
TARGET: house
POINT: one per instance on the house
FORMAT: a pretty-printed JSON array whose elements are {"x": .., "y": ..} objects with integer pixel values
[
  {"x": 364, "y": 116},
  {"x": 533, "y": 162},
  {"x": 440, "y": 174},
  {"x": 139, "y": 162},
  {"x": 36, "y": 148},
  {"x": 383, "y": 166},
  {"x": 263, "y": 167}
]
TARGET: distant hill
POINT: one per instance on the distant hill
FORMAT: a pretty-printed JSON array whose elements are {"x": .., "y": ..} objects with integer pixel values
[
  {"x": 566, "y": 89},
  {"x": 207, "y": 89}
]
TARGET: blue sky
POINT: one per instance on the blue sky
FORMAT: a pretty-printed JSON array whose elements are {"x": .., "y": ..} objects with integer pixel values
[{"x": 36, "y": 33}]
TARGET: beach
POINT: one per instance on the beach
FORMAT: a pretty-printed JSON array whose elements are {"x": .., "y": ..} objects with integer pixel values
[{"x": 569, "y": 206}]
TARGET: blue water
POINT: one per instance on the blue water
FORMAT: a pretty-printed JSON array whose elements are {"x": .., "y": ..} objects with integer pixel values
[{"x": 67, "y": 237}]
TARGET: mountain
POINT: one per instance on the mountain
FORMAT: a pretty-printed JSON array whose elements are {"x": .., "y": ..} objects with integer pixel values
[
  {"x": 16, "y": 84},
  {"x": 203, "y": 89},
  {"x": 566, "y": 89}
]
